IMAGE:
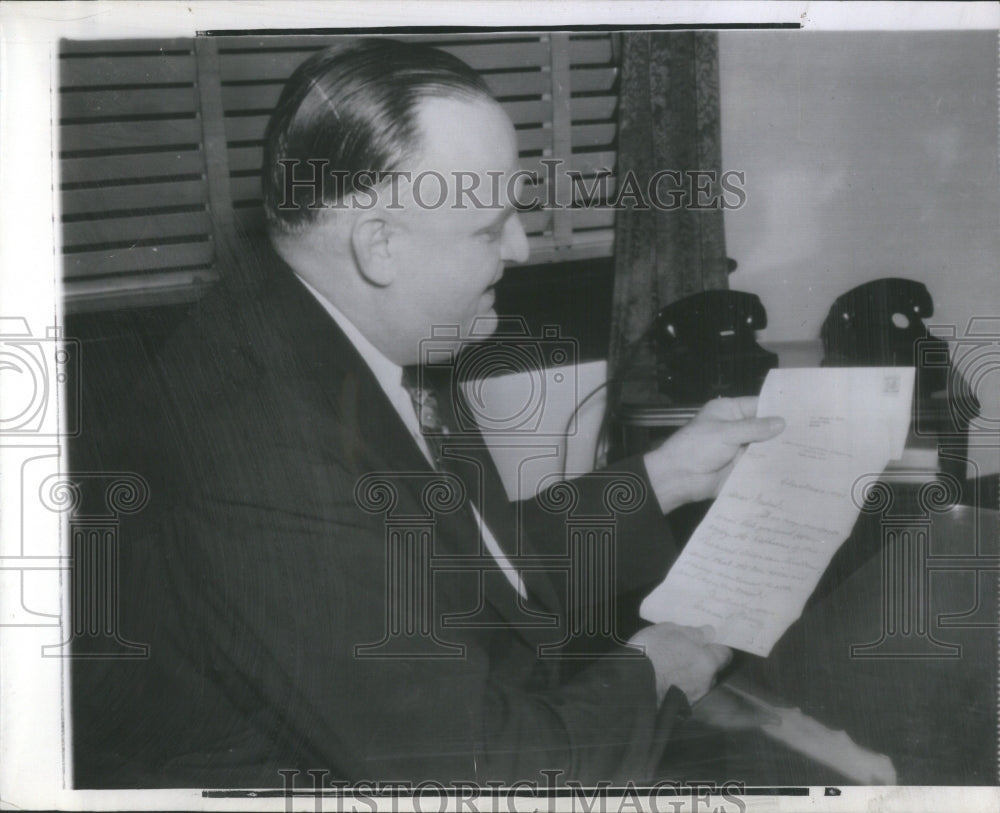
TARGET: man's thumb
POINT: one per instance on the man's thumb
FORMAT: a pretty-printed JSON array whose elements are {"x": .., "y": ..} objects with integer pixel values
[{"x": 752, "y": 430}]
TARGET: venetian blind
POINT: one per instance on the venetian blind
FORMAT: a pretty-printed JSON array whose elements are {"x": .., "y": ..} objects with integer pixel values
[
  {"x": 134, "y": 199},
  {"x": 161, "y": 145}
]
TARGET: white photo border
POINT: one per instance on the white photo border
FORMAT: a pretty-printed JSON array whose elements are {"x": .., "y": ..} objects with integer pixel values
[{"x": 34, "y": 732}]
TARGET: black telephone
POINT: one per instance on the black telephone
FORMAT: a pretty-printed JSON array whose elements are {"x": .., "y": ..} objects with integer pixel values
[
  {"x": 880, "y": 323},
  {"x": 707, "y": 346}
]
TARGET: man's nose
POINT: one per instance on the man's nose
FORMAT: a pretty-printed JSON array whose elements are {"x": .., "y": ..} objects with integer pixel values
[{"x": 515, "y": 241}]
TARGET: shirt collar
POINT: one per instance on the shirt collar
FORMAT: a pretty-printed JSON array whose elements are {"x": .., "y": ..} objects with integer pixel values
[{"x": 387, "y": 372}]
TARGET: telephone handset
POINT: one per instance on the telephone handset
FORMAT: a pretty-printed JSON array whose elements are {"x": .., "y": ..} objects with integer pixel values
[
  {"x": 880, "y": 323},
  {"x": 707, "y": 347}
]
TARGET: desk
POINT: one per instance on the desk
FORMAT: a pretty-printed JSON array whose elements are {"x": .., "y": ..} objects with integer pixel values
[{"x": 898, "y": 647}]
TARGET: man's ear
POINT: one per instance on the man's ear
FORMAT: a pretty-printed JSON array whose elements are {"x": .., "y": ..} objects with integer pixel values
[{"x": 372, "y": 246}]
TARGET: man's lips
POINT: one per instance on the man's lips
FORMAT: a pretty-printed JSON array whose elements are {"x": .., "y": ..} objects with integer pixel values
[{"x": 491, "y": 291}]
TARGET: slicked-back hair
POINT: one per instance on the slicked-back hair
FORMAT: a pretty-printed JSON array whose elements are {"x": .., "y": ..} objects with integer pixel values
[{"x": 351, "y": 109}]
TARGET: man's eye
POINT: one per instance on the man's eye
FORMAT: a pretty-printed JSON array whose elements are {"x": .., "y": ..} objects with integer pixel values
[{"x": 492, "y": 235}]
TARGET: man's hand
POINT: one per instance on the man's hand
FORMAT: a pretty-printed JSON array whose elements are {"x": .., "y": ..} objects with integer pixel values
[
  {"x": 693, "y": 462},
  {"x": 682, "y": 657}
]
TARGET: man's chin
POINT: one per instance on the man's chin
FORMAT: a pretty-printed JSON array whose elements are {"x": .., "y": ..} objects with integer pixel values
[{"x": 449, "y": 338}]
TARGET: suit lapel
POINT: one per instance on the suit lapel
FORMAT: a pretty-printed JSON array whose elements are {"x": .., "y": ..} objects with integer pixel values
[
  {"x": 311, "y": 342},
  {"x": 497, "y": 511},
  {"x": 300, "y": 334}
]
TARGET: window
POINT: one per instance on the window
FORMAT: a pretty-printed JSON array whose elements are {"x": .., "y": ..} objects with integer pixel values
[{"x": 161, "y": 144}]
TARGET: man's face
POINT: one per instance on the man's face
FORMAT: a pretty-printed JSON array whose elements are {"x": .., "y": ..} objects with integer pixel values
[{"x": 451, "y": 254}]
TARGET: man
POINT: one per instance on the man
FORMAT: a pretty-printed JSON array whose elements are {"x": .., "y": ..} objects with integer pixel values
[{"x": 281, "y": 438}]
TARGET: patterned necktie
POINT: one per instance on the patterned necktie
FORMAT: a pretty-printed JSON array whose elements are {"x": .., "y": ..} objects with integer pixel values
[
  {"x": 425, "y": 403},
  {"x": 433, "y": 417}
]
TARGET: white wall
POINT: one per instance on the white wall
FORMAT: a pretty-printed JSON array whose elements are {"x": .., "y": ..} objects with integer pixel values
[{"x": 867, "y": 154}]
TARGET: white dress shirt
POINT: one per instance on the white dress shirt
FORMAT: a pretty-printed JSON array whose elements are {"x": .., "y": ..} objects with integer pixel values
[{"x": 390, "y": 377}]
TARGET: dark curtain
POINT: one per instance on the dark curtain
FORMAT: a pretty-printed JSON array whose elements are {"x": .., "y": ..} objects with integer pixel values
[{"x": 668, "y": 119}]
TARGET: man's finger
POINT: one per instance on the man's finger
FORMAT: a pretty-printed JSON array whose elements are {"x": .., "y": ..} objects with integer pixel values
[
  {"x": 732, "y": 409},
  {"x": 720, "y": 654},
  {"x": 751, "y": 430},
  {"x": 746, "y": 405},
  {"x": 696, "y": 635},
  {"x": 722, "y": 475}
]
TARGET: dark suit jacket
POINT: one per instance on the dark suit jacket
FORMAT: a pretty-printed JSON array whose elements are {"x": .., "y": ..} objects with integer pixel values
[{"x": 254, "y": 574}]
